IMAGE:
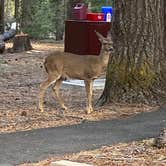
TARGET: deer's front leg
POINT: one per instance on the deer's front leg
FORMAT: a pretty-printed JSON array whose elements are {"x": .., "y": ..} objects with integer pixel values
[{"x": 89, "y": 89}]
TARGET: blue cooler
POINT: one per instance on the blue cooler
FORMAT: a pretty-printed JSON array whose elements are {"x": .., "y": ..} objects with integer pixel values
[{"x": 106, "y": 10}]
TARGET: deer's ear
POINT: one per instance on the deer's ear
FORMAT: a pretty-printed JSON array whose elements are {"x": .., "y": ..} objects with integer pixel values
[
  {"x": 109, "y": 35},
  {"x": 100, "y": 37}
]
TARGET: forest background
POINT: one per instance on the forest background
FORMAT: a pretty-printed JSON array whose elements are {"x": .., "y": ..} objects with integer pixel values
[{"x": 43, "y": 19}]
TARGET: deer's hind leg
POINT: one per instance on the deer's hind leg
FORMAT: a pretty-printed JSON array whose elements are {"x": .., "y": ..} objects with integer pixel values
[
  {"x": 56, "y": 93},
  {"x": 89, "y": 90},
  {"x": 43, "y": 86}
]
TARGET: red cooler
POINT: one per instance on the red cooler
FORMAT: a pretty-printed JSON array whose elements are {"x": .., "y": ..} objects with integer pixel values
[{"x": 95, "y": 16}]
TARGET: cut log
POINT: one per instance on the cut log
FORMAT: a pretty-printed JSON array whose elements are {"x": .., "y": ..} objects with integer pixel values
[{"x": 21, "y": 42}]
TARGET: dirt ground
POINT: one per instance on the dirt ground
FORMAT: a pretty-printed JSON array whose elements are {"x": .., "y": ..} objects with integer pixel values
[
  {"x": 20, "y": 76},
  {"x": 140, "y": 153}
]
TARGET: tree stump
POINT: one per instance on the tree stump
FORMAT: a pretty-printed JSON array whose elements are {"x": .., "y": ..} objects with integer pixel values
[{"x": 21, "y": 42}]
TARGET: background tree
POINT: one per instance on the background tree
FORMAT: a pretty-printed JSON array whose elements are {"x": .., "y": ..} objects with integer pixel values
[
  {"x": 57, "y": 18},
  {"x": 26, "y": 12},
  {"x": 1, "y": 16},
  {"x": 164, "y": 36},
  {"x": 9, "y": 11},
  {"x": 137, "y": 68},
  {"x": 44, "y": 19},
  {"x": 95, "y": 5},
  {"x": 16, "y": 12}
]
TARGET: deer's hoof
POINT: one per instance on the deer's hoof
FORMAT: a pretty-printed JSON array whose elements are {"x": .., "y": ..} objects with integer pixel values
[
  {"x": 64, "y": 107},
  {"x": 89, "y": 110},
  {"x": 41, "y": 109}
]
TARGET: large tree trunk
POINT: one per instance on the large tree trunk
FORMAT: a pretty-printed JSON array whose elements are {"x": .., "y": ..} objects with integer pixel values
[{"x": 137, "y": 69}]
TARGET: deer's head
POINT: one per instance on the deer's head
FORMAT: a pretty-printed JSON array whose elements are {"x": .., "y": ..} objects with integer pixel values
[{"x": 107, "y": 43}]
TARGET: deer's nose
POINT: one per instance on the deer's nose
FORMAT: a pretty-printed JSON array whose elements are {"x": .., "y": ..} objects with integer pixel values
[{"x": 111, "y": 49}]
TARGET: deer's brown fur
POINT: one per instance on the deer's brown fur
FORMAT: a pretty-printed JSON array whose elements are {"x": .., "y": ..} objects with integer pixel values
[{"x": 61, "y": 65}]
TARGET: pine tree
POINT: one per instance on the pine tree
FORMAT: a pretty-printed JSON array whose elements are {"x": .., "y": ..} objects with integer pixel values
[{"x": 137, "y": 68}]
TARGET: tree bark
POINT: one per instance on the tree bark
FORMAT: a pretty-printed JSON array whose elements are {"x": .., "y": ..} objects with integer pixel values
[
  {"x": 26, "y": 12},
  {"x": 136, "y": 69},
  {"x": 1, "y": 16},
  {"x": 21, "y": 43},
  {"x": 2, "y": 45},
  {"x": 16, "y": 13},
  {"x": 59, "y": 19}
]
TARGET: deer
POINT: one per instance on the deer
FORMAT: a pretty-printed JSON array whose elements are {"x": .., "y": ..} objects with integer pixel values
[{"x": 63, "y": 65}]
